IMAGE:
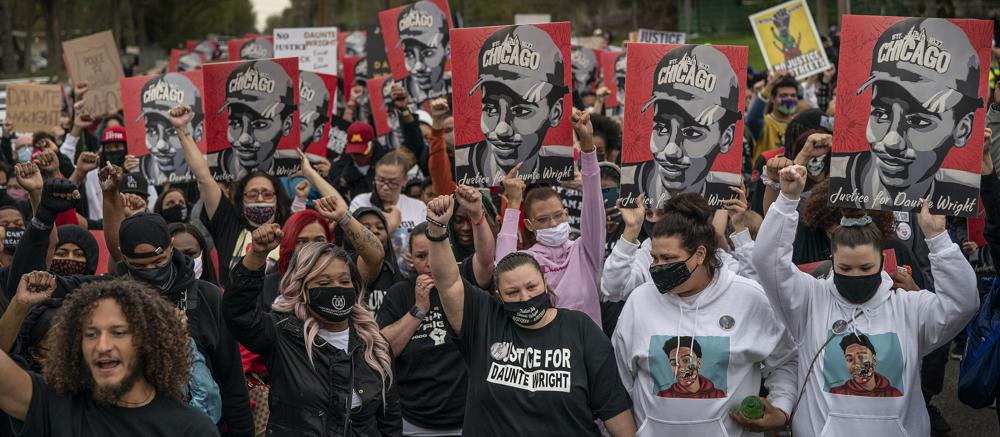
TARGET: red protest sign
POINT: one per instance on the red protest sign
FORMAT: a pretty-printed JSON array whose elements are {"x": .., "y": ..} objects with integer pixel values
[
  {"x": 586, "y": 68},
  {"x": 613, "y": 65},
  {"x": 317, "y": 94},
  {"x": 416, "y": 42},
  {"x": 251, "y": 47}
]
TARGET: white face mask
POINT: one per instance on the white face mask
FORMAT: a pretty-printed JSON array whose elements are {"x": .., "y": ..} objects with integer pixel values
[
  {"x": 553, "y": 237},
  {"x": 197, "y": 266}
]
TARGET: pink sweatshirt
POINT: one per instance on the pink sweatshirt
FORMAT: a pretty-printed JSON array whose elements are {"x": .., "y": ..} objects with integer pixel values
[{"x": 573, "y": 270}]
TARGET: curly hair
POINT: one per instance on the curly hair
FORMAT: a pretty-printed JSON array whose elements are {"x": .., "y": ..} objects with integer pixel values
[{"x": 158, "y": 335}]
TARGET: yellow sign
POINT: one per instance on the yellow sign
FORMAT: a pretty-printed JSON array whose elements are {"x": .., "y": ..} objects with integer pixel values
[{"x": 788, "y": 39}]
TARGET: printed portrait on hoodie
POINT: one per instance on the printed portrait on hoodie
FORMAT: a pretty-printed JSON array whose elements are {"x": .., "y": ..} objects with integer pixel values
[
  {"x": 689, "y": 367},
  {"x": 857, "y": 364}
]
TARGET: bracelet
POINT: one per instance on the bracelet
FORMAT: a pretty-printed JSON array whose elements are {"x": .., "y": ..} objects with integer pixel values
[
  {"x": 482, "y": 218},
  {"x": 776, "y": 186},
  {"x": 343, "y": 221},
  {"x": 427, "y": 233},
  {"x": 436, "y": 223}
]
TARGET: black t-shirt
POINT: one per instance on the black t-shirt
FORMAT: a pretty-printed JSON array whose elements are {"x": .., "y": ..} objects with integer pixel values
[
  {"x": 430, "y": 372},
  {"x": 552, "y": 381},
  {"x": 52, "y": 414},
  {"x": 226, "y": 227}
]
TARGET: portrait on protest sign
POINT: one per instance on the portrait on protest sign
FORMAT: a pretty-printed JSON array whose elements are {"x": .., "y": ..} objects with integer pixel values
[
  {"x": 350, "y": 43},
  {"x": 316, "y": 47},
  {"x": 910, "y": 114},
  {"x": 788, "y": 39},
  {"x": 207, "y": 48},
  {"x": 586, "y": 68},
  {"x": 151, "y": 136},
  {"x": 660, "y": 37},
  {"x": 34, "y": 107},
  {"x": 375, "y": 53},
  {"x": 417, "y": 44},
  {"x": 317, "y": 94},
  {"x": 252, "y": 117},
  {"x": 512, "y": 103},
  {"x": 613, "y": 65},
  {"x": 337, "y": 140},
  {"x": 184, "y": 60},
  {"x": 94, "y": 59},
  {"x": 683, "y": 124},
  {"x": 254, "y": 47},
  {"x": 384, "y": 113}
]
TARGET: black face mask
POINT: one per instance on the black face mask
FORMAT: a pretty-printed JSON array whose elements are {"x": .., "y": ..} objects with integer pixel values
[
  {"x": 668, "y": 276},
  {"x": 857, "y": 289},
  {"x": 159, "y": 277},
  {"x": 115, "y": 158},
  {"x": 175, "y": 214},
  {"x": 528, "y": 312},
  {"x": 647, "y": 226},
  {"x": 332, "y": 304}
]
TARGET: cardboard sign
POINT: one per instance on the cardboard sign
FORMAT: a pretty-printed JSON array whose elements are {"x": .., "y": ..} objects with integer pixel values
[
  {"x": 910, "y": 114},
  {"x": 788, "y": 39},
  {"x": 252, "y": 117},
  {"x": 351, "y": 43},
  {"x": 683, "y": 126},
  {"x": 614, "y": 65},
  {"x": 148, "y": 101},
  {"x": 317, "y": 94},
  {"x": 375, "y": 53},
  {"x": 586, "y": 68},
  {"x": 33, "y": 108},
  {"x": 660, "y": 37},
  {"x": 416, "y": 42},
  {"x": 182, "y": 60},
  {"x": 94, "y": 59},
  {"x": 254, "y": 47},
  {"x": 316, "y": 48},
  {"x": 512, "y": 103}
]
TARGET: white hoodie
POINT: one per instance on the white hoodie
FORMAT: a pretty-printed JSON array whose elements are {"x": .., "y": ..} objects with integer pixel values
[
  {"x": 902, "y": 326},
  {"x": 733, "y": 326}
]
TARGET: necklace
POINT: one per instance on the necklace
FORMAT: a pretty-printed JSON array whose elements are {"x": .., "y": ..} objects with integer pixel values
[{"x": 127, "y": 404}]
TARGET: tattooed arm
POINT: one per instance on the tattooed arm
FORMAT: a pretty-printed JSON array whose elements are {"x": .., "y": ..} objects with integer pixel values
[{"x": 370, "y": 250}]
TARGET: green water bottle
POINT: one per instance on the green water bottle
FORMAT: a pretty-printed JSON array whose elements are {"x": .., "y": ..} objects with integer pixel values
[{"x": 752, "y": 408}]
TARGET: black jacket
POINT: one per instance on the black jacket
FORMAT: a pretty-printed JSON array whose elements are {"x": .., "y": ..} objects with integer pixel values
[
  {"x": 309, "y": 398},
  {"x": 205, "y": 323}
]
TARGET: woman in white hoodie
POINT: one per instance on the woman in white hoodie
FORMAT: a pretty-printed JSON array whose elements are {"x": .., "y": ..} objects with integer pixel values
[
  {"x": 859, "y": 341},
  {"x": 694, "y": 341}
]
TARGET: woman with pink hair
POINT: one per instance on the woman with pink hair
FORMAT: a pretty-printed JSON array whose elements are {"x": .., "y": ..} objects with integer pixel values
[{"x": 330, "y": 367}]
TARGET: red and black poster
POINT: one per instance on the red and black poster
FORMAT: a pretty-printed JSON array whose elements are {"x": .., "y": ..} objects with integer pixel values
[
  {"x": 350, "y": 43},
  {"x": 375, "y": 53},
  {"x": 253, "y": 47},
  {"x": 317, "y": 94},
  {"x": 416, "y": 41},
  {"x": 337, "y": 137},
  {"x": 910, "y": 114},
  {"x": 613, "y": 64},
  {"x": 683, "y": 129},
  {"x": 206, "y": 48},
  {"x": 384, "y": 113},
  {"x": 183, "y": 60},
  {"x": 252, "y": 117},
  {"x": 586, "y": 68},
  {"x": 512, "y": 103},
  {"x": 147, "y": 101}
]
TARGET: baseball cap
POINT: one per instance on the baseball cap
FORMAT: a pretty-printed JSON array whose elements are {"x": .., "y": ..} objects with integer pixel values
[
  {"x": 424, "y": 117},
  {"x": 359, "y": 137},
  {"x": 257, "y": 48},
  {"x": 135, "y": 183},
  {"x": 701, "y": 78},
  {"x": 144, "y": 227},
  {"x": 162, "y": 93},
  {"x": 423, "y": 22},
  {"x": 929, "y": 57},
  {"x": 533, "y": 73},
  {"x": 113, "y": 134},
  {"x": 260, "y": 85},
  {"x": 314, "y": 98}
]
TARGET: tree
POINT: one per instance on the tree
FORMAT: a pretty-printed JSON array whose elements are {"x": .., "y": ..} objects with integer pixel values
[
  {"x": 7, "y": 54},
  {"x": 53, "y": 33}
]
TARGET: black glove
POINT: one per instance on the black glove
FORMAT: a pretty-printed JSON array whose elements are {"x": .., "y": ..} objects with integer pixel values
[{"x": 51, "y": 205}]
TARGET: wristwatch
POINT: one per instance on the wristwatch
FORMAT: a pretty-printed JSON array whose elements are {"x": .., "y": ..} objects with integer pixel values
[{"x": 416, "y": 312}]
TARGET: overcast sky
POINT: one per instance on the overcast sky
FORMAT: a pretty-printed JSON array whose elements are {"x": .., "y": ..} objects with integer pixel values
[{"x": 266, "y": 8}]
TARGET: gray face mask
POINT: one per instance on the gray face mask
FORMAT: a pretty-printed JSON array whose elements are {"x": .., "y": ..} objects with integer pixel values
[{"x": 816, "y": 165}]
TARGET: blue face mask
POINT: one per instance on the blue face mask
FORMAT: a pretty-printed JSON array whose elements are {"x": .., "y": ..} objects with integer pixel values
[
  {"x": 610, "y": 196},
  {"x": 24, "y": 155}
]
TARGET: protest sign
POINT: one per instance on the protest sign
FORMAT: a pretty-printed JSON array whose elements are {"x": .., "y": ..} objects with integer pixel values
[
  {"x": 384, "y": 112},
  {"x": 512, "y": 103},
  {"x": 351, "y": 43},
  {"x": 788, "y": 39},
  {"x": 586, "y": 68},
  {"x": 416, "y": 42},
  {"x": 532, "y": 18},
  {"x": 316, "y": 47},
  {"x": 337, "y": 137},
  {"x": 910, "y": 114},
  {"x": 251, "y": 117},
  {"x": 206, "y": 48},
  {"x": 683, "y": 124},
  {"x": 355, "y": 69},
  {"x": 660, "y": 37},
  {"x": 317, "y": 94},
  {"x": 147, "y": 101},
  {"x": 181, "y": 60},
  {"x": 94, "y": 59},
  {"x": 614, "y": 63},
  {"x": 32, "y": 107},
  {"x": 253, "y": 47},
  {"x": 375, "y": 53},
  {"x": 590, "y": 42}
]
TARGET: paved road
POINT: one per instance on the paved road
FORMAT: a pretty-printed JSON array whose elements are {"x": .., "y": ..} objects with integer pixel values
[{"x": 965, "y": 422}]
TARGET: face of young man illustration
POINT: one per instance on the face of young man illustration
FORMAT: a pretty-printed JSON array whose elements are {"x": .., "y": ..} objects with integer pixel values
[
  {"x": 157, "y": 97},
  {"x": 620, "y": 63},
  {"x": 261, "y": 104},
  {"x": 314, "y": 104},
  {"x": 685, "y": 365},
  {"x": 860, "y": 362},
  {"x": 423, "y": 33}
]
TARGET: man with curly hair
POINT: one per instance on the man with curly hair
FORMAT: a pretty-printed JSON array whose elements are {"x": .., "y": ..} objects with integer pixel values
[{"x": 116, "y": 363}]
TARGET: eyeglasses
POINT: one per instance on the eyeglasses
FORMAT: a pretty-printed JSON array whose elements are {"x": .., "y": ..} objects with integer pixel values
[
  {"x": 255, "y": 194},
  {"x": 545, "y": 221},
  {"x": 388, "y": 183}
]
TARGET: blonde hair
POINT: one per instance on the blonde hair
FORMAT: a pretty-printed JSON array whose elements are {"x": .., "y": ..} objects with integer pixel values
[{"x": 309, "y": 261}]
